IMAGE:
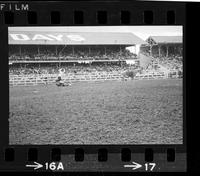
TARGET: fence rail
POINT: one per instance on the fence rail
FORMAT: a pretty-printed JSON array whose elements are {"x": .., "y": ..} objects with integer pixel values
[
  {"x": 50, "y": 78},
  {"x": 152, "y": 75},
  {"x": 16, "y": 80},
  {"x": 158, "y": 75}
]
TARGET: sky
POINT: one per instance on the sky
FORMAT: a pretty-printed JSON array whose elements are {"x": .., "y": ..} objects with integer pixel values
[{"x": 141, "y": 31}]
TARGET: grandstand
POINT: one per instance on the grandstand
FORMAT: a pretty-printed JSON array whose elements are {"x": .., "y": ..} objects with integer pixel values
[
  {"x": 163, "y": 54},
  {"x": 34, "y": 55},
  {"x": 163, "y": 45},
  {"x": 37, "y": 55}
]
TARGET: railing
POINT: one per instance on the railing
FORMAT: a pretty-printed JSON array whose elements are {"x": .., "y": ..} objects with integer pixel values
[
  {"x": 157, "y": 75},
  {"x": 28, "y": 80},
  {"x": 154, "y": 75},
  {"x": 50, "y": 78}
]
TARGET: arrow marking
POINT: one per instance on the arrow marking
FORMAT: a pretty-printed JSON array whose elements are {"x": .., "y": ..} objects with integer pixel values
[
  {"x": 36, "y": 166},
  {"x": 134, "y": 165}
]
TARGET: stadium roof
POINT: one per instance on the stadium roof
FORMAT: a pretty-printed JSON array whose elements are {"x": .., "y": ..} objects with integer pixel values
[
  {"x": 166, "y": 39},
  {"x": 72, "y": 38}
]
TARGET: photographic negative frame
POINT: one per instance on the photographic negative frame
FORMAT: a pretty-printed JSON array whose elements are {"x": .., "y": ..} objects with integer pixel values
[{"x": 108, "y": 158}]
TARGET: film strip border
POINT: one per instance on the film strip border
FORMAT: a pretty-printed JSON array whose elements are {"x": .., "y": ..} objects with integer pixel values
[
  {"x": 92, "y": 13},
  {"x": 92, "y": 158}
]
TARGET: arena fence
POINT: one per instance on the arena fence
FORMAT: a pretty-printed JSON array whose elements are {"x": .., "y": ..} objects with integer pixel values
[
  {"x": 50, "y": 78},
  {"x": 158, "y": 75},
  {"x": 28, "y": 80},
  {"x": 151, "y": 75}
]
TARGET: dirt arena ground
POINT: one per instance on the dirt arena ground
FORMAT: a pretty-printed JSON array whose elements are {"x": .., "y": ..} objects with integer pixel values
[{"x": 110, "y": 112}]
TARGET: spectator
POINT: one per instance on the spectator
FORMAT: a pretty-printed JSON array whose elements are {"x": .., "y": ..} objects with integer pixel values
[{"x": 69, "y": 69}]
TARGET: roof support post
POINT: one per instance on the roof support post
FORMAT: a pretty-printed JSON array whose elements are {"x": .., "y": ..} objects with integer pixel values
[
  {"x": 20, "y": 51},
  {"x": 175, "y": 50},
  {"x": 120, "y": 51},
  {"x": 89, "y": 50},
  {"x": 167, "y": 52},
  {"x": 73, "y": 50},
  {"x": 159, "y": 50},
  {"x": 38, "y": 49},
  {"x": 56, "y": 51}
]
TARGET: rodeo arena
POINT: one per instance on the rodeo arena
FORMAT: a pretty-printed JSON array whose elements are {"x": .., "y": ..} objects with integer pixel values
[{"x": 78, "y": 75}]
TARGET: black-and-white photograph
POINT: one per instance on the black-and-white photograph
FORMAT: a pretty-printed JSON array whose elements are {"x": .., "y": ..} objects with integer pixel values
[{"x": 95, "y": 85}]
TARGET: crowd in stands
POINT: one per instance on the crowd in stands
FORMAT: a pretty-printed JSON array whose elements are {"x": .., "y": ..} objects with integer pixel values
[
  {"x": 171, "y": 62},
  {"x": 78, "y": 54},
  {"x": 89, "y": 54},
  {"x": 73, "y": 69}
]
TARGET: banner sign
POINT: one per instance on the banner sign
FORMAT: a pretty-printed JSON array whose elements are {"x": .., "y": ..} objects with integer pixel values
[{"x": 74, "y": 38}]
